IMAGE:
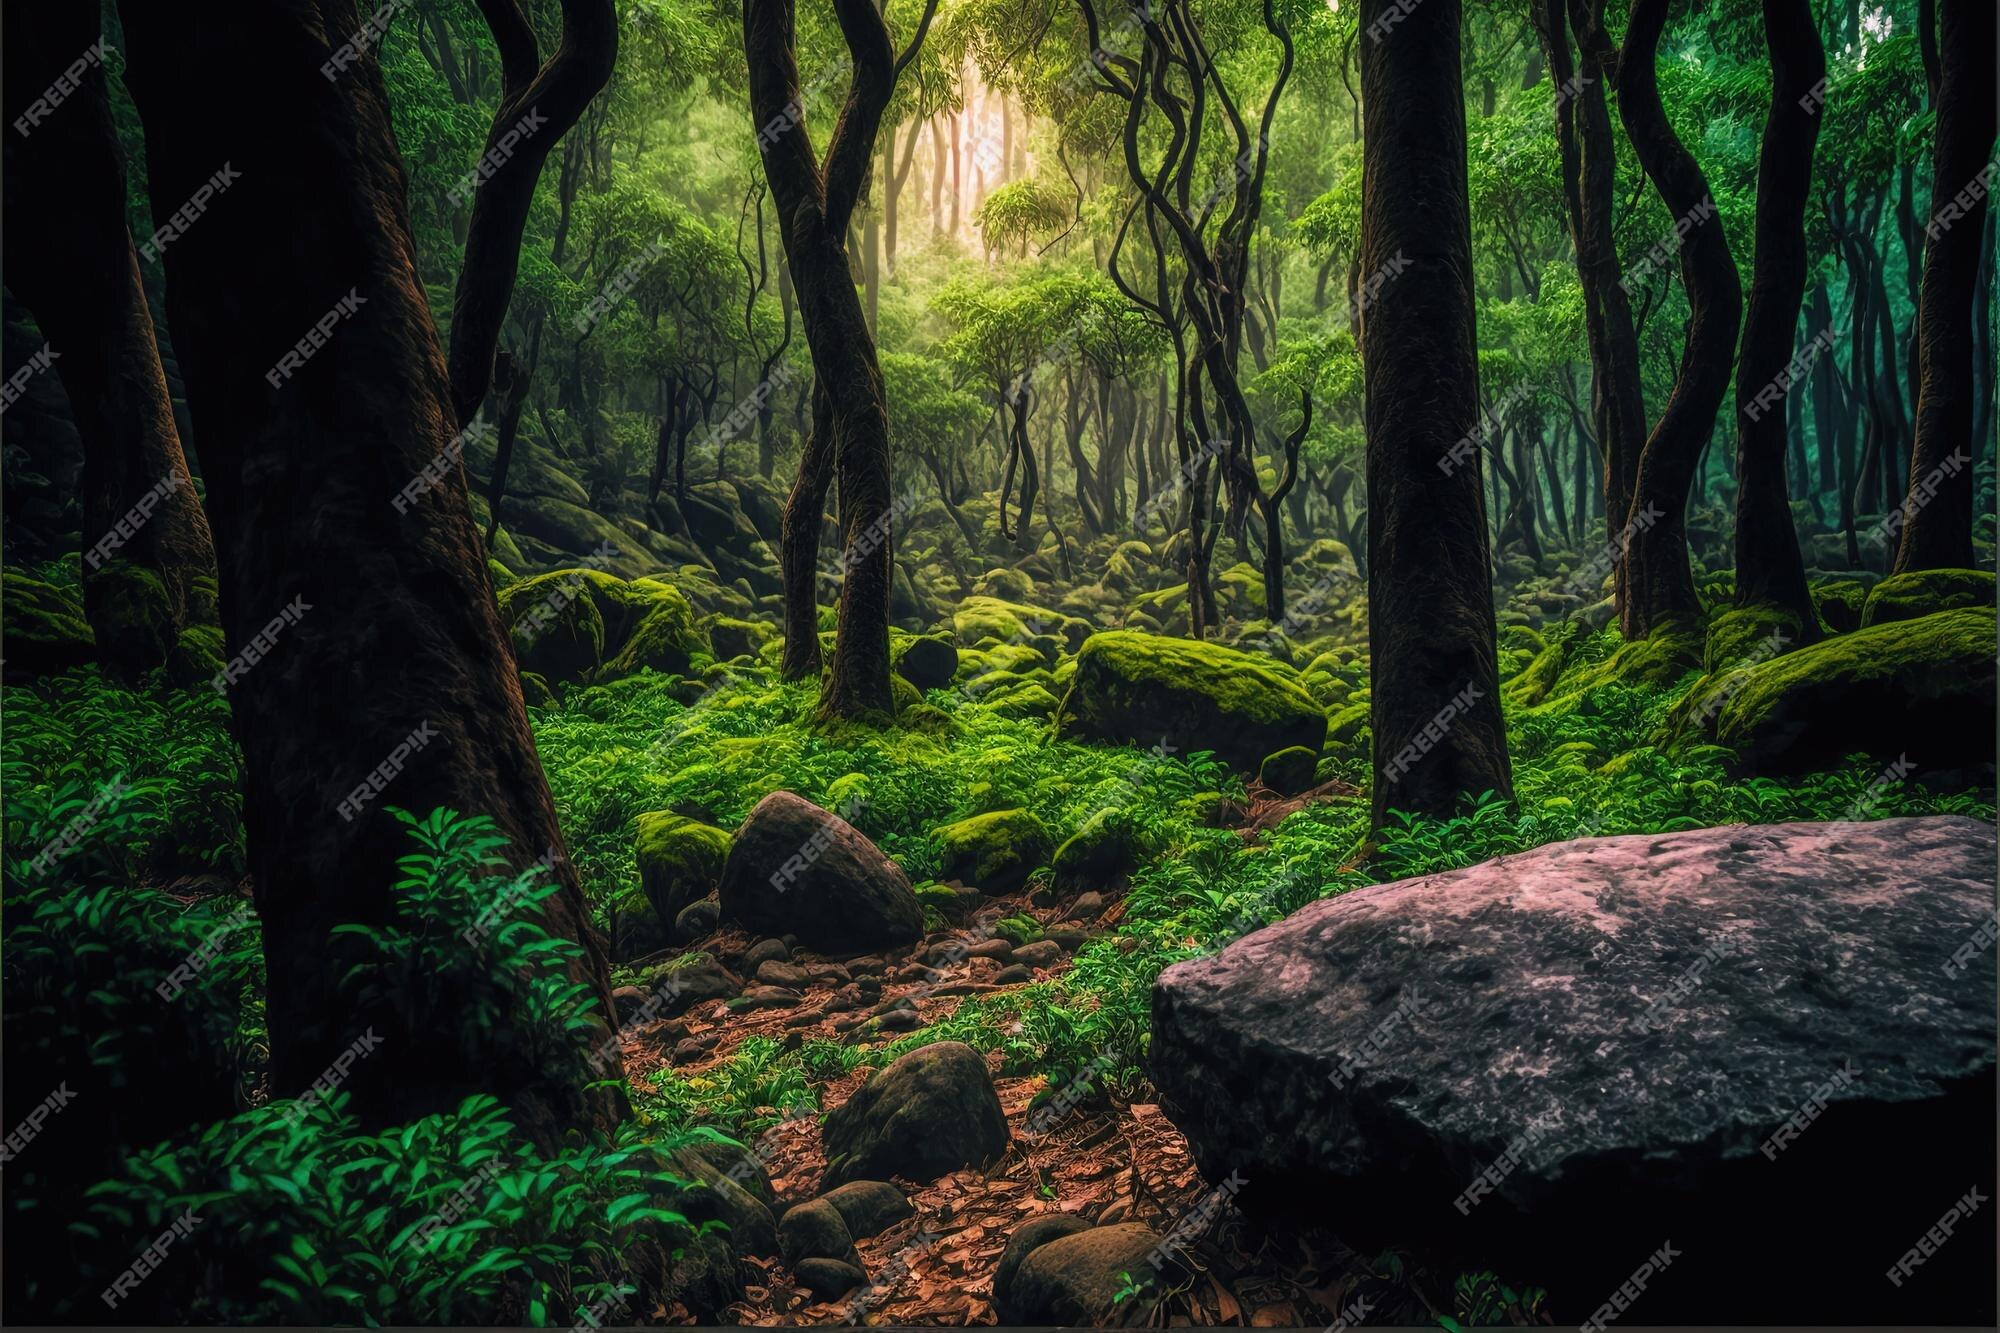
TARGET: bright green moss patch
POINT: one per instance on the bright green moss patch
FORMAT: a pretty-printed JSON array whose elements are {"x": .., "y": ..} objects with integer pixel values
[{"x": 1921, "y": 592}]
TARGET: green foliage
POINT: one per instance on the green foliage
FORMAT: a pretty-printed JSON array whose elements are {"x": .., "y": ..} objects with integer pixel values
[{"x": 315, "y": 1221}]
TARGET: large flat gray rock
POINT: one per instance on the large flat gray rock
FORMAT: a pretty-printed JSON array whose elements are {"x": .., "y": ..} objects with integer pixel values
[{"x": 1552, "y": 1063}]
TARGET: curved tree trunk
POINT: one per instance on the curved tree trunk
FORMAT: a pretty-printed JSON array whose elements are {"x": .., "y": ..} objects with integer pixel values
[
  {"x": 317, "y": 373},
  {"x": 1654, "y": 533},
  {"x": 69, "y": 257},
  {"x": 1769, "y": 569},
  {"x": 539, "y": 103},
  {"x": 1435, "y": 711},
  {"x": 1937, "y": 512}
]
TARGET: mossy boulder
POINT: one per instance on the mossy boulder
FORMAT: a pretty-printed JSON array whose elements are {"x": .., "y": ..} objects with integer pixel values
[
  {"x": 196, "y": 657},
  {"x": 1660, "y": 659},
  {"x": 1143, "y": 689},
  {"x": 680, "y": 860},
  {"x": 994, "y": 852},
  {"x": 1750, "y": 634},
  {"x": 1025, "y": 699},
  {"x": 1921, "y": 690},
  {"x": 732, "y": 638},
  {"x": 1924, "y": 591},
  {"x": 44, "y": 629},
  {"x": 1103, "y": 852},
  {"x": 1532, "y": 683},
  {"x": 569, "y": 623},
  {"x": 927, "y": 661},
  {"x": 1290, "y": 771},
  {"x": 132, "y": 616},
  {"x": 665, "y": 638},
  {"x": 979, "y": 618},
  {"x": 1840, "y": 602}
]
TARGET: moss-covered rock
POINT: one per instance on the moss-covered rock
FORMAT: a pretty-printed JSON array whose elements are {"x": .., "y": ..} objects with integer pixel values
[
  {"x": 927, "y": 661},
  {"x": 1290, "y": 771},
  {"x": 979, "y": 618},
  {"x": 1924, "y": 591},
  {"x": 732, "y": 638},
  {"x": 535, "y": 691},
  {"x": 42, "y": 627},
  {"x": 1102, "y": 853},
  {"x": 1750, "y": 634},
  {"x": 1143, "y": 689},
  {"x": 197, "y": 656},
  {"x": 1349, "y": 728},
  {"x": 569, "y": 623},
  {"x": 132, "y": 616},
  {"x": 665, "y": 639},
  {"x": 1660, "y": 659},
  {"x": 994, "y": 852},
  {"x": 680, "y": 860},
  {"x": 1919, "y": 689},
  {"x": 1840, "y": 602},
  {"x": 1025, "y": 699}
]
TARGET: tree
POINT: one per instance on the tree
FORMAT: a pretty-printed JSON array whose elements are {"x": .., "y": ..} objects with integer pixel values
[
  {"x": 69, "y": 257},
  {"x": 814, "y": 202},
  {"x": 371, "y": 666},
  {"x": 538, "y": 105},
  {"x": 1653, "y": 532},
  {"x": 1937, "y": 527},
  {"x": 1435, "y": 710},
  {"x": 1769, "y": 569}
]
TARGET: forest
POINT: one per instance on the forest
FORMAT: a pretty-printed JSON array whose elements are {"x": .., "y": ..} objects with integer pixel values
[{"x": 1171, "y": 663}]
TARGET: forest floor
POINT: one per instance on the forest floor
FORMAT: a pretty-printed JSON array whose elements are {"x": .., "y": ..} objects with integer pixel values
[{"x": 1108, "y": 1160}]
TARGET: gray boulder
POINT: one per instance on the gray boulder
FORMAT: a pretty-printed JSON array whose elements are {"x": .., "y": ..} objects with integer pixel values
[
  {"x": 795, "y": 869},
  {"x": 1764, "y": 1046},
  {"x": 931, "y": 1111}
]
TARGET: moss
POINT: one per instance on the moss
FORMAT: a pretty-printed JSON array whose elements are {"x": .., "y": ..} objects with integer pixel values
[
  {"x": 980, "y": 618},
  {"x": 502, "y": 576},
  {"x": 1102, "y": 853},
  {"x": 44, "y": 629},
  {"x": 1018, "y": 930},
  {"x": 1289, "y": 771},
  {"x": 628, "y": 624},
  {"x": 732, "y": 638},
  {"x": 1921, "y": 592},
  {"x": 1750, "y": 634},
  {"x": 680, "y": 860},
  {"x": 996, "y": 852},
  {"x": 131, "y": 614},
  {"x": 1840, "y": 602},
  {"x": 927, "y": 661},
  {"x": 1349, "y": 727},
  {"x": 535, "y": 691},
  {"x": 1918, "y": 689},
  {"x": 1659, "y": 660},
  {"x": 1029, "y": 699},
  {"x": 1014, "y": 585},
  {"x": 1146, "y": 689}
]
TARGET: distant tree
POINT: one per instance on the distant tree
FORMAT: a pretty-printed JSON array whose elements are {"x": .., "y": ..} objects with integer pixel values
[
  {"x": 1937, "y": 528},
  {"x": 69, "y": 258}
]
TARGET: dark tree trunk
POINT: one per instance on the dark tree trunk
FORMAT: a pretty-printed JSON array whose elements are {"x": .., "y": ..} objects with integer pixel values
[
  {"x": 1660, "y": 588},
  {"x": 511, "y": 378},
  {"x": 1590, "y": 175},
  {"x": 1769, "y": 569},
  {"x": 69, "y": 258},
  {"x": 392, "y": 629},
  {"x": 1430, "y": 600},
  {"x": 538, "y": 105},
  {"x": 798, "y": 543},
  {"x": 1937, "y": 529},
  {"x": 814, "y": 205}
]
